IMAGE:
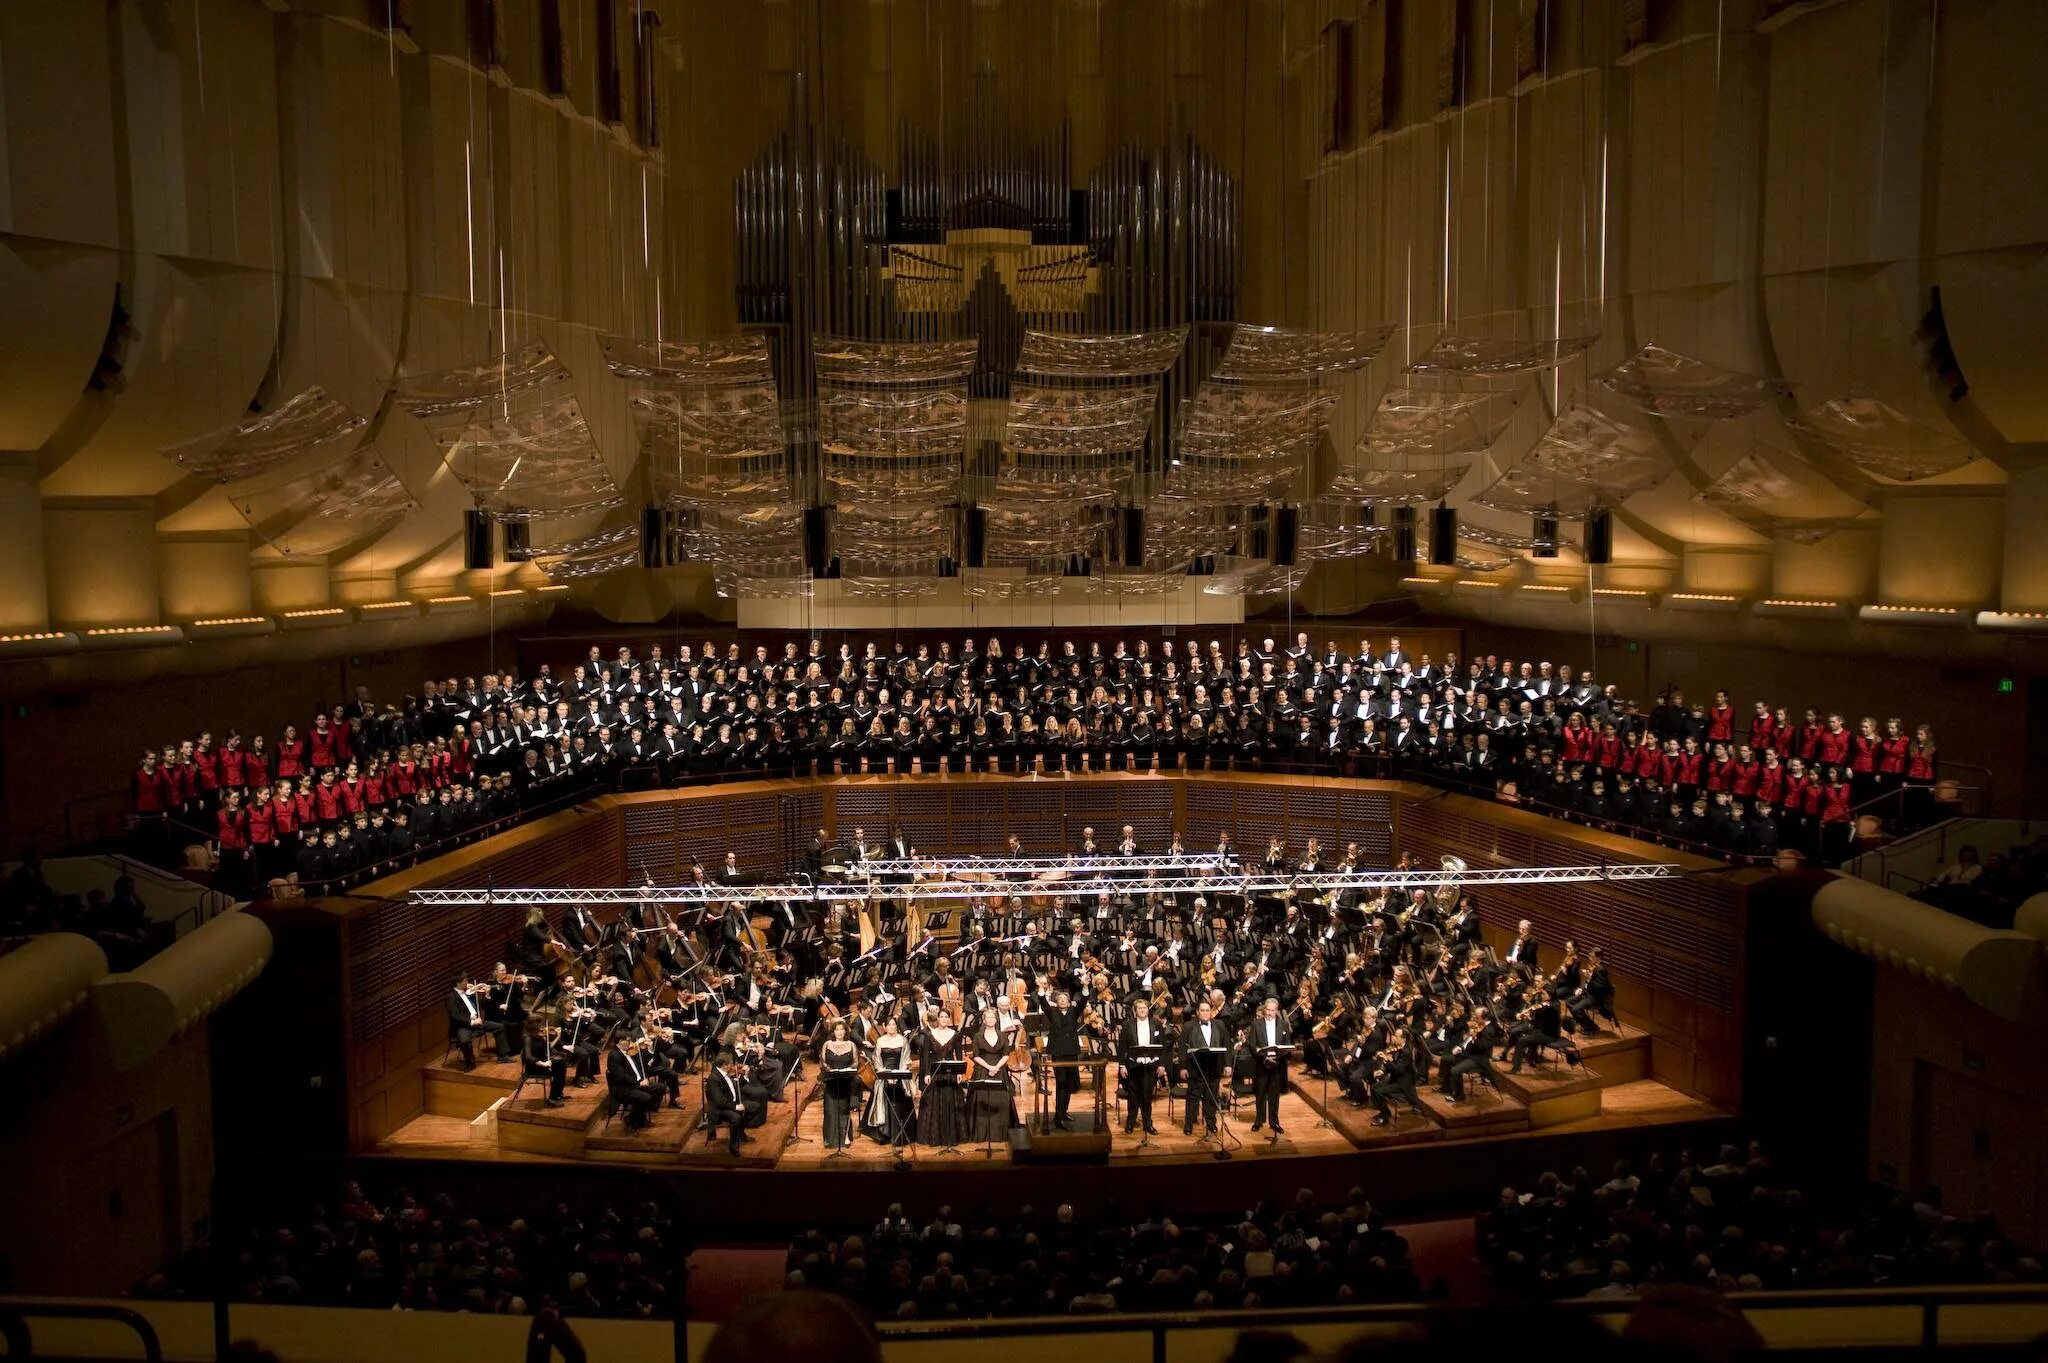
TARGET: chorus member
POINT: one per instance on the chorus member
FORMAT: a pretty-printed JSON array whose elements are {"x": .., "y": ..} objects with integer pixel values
[{"x": 839, "y": 1057}]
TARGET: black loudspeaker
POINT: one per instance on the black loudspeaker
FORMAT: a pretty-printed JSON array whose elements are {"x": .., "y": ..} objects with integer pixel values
[
  {"x": 1546, "y": 538},
  {"x": 518, "y": 541},
  {"x": 817, "y": 553},
  {"x": 1443, "y": 536},
  {"x": 476, "y": 540},
  {"x": 1404, "y": 534},
  {"x": 1600, "y": 535},
  {"x": 1202, "y": 565},
  {"x": 977, "y": 537},
  {"x": 1133, "y": 528},
  {"x": 650, "y": 537},
  {"x": 1286, "y": 524},
  {"x": 949, "y": 566},
  {"x": 1078, "y": 565}
]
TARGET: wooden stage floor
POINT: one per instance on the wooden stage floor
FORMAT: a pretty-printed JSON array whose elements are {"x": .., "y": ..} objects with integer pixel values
[{"x": 475, "y": 1116}]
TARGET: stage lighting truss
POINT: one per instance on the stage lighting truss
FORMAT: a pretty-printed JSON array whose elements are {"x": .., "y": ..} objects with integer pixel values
[{"x": 1065, "y": 878}]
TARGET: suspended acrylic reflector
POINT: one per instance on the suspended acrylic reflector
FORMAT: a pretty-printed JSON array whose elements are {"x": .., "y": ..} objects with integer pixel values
[
  {"x": 528, "y": 459},
  {"x": 1406, "y": 480},
  {"x": 711, "y": 445},
  {"x": 1278, "y": 355},
  {"x": 1258, "y": 581},
  {"x": 350, "y": 499},
  {"x": 1137, "y": 582},
  {"x": 843, "y": 359},
  {"x": 1768, "y": 501},
  {"x": 1456, "y": 356},
  {"x": 587, "y": 566},
  {"x": 1881, "y": 440},
  {"x": 1667, "y": 384},
  {"x": 997, "y": 584},
  {"x": 1587, "y": 445},
  {"x": 306, "y": 422},
  {"x": 867, "y": 587},
  {"x": 709, "y": 363},
  {"x": 762, "y": 539},
  {"x": 444, "y": 398},
  {"x": 1021, "y": 531},
  {"x": 1100, "y": 355},
  {"x": 598, "y": 542},
  {"x": 1526, "y": 491},
  {"x": 1327, "y": 529},
  {"x": 1077, "y": 422}
]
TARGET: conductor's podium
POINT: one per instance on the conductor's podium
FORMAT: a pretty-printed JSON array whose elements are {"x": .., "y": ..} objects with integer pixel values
[{"x": 513, "y": 1120}]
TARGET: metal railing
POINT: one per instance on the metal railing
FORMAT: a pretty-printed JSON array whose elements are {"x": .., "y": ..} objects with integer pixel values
[{"x": 16, "y": 1315}]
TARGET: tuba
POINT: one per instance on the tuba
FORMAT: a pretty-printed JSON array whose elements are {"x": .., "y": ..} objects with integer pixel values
[{"x": 1447, "y": 893}]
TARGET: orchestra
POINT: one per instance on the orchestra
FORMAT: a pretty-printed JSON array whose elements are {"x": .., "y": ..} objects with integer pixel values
[{"x": 1199, "y": 1001}]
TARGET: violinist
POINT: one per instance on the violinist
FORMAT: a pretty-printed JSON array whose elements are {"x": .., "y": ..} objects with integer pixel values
[
  {"x": 505, "y": 1004},
  {"x": 542, "y": 1058},
  {"x": 466, "y": 1020},
  {"x": 1394, "y": 1076},
  {"x": 635, "y": 1090}
]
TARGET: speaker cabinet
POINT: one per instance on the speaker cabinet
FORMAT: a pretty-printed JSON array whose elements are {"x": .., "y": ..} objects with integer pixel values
[
  {"x": 817, "y": 547},
  {"x": 476, "y": 540},
  {"x": 1404, "y": 534},
  {"x": 1286, "y": 529},
  {"x": 1544, "y": 532},
  {"x": 1443, "y": 536},
  {"x": 1600, "y": 535},
  {"x": 1133, "y": 527},
  {"x": 977, "y": 537}
]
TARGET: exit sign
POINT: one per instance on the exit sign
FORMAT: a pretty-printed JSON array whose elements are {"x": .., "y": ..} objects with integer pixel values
[{"x": 2005, "y": 687}]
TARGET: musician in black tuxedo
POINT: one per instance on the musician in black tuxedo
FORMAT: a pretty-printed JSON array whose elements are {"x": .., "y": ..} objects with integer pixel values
[
  {"x": 727, "y": 1104},
  {"x": 634, "y": 1088},
  {"x": 1395, "y": 1077},
  {"x": 1204, "y": 1048},
  {"x": 466, "y": 1020},
  {"x": 1593, "y": 997},
  {"x": 1263, "y": 1039},
  {"x": 1140, "y": 1073},
  {"x": 544, "y": 1061}
]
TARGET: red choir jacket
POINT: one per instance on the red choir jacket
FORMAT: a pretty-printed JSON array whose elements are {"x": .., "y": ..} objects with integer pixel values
[
  {"x": 1833, "y": 748},
  {"x": 1608, "y": 753},
  {"x": 234, "y": 768},
  {"x": 1770, "y": 784},
  {"x": 405, "y": 778},
  {"x": 374, "y": 793},
  {"x": 291, "y": 759},
  {"x": 1685, "y": 769},
  {"x": 1919, "y": 765},
  {"x": 1834, "y": 806},
  {"x": 1743, "y": 778},
  {"x": 1891, "y": 759},
  {"x": 1721, "y": 723},
  {"x": 180, "y": 782},
  {"x": 151, "y": 790},
  {"x": 1718, "y": 773},
  {"x": 353, "y": 795},
  {"x": 262, "y": 817},
  {"x": 305, "y": 807},
  {"x": 1862, "y": 755},
  {"x": 255, "y": 769},
  {"x": 206, "y": 766},
  {"x": 1577, "y": 742},
  {"x": 1809, "y": 740},
  {"x": 233, "y": 828},
  {"x": 459, "y": 757},
  {"x": 1763, "y": 734},
  {"x": 327, "y": 799},
  {"x": 323, "y": 748},
  {"x": 285, "y": 815}
]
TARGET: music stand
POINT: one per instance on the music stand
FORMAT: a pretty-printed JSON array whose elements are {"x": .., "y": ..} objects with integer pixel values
[
  {"x": 1278, "y": 1056},
  {"x": 949, "y": 1072},
  {"x": 834, "y": 1079},
  {"x": 895, "y": 1124},
  {"x": 1147, "y": 1057},
  {"x": 1222, "y": 1135}
]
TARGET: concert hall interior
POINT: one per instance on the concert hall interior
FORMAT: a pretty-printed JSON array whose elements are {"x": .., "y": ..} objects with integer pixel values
[{"x": 836, "y": 679}]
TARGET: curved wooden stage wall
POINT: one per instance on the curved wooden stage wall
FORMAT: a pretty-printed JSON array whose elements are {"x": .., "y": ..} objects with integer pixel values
[{"x": 1674, "y": 947}]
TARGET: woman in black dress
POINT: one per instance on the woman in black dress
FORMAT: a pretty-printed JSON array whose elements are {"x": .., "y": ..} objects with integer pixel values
[
  {"x": 994, "y": 1102},
  {"x": 836, "y": 1057},
  {"x": 942, "y": 1119},
  {"x": 892, "y": 1110}
]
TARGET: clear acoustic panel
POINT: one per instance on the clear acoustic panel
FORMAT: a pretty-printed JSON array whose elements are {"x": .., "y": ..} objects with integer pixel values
[
  {"x": 1667, "y": 384},
  {"x": 320, "y": 512},
  {"x": 1327, "y": 529},
  {"x": 1432, "y": 421},
  {"x": 1527, "y": 491},
  {"x": 1497, "y": 539},
  {"x": 711, "y": 445},
  {"x": 1881, "y": 440},
  {"x": 1410, "y": 480},
  {"x": 846, "y": 360},
  {"x": 1101, "y": 355},
  {"x": 1235, "y": 421},
  {"x": 586, "y": 566},
  {"x": 1762, "y": 497},
  {"x": 1137, "y": 581},
  {"x": 1455, "y": 356},
  {"x": 597, "y": 542},
  {"x": 445, "y": 396},
  {"x": 708, "y": 363},
  {"x": 871, "y": 587},
  {"x": 304, "y": 423},
  {"x": 523, "y": 458},
  {"x": 760, "y": 538},
  {"x": 1269, "y": 580},
  {"x": 1588, "y": 445},
  {"x": 1078, "y": 422},
  {"x": 1279, "y": 355},
  {"x": 1024, "y": 531},
  {"x": 997, "y": 584}
]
